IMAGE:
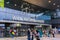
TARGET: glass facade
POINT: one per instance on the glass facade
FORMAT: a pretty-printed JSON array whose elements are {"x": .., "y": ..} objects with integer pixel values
[
  {"x": 7, "y": 14},
  {"x": 19, "y": 29},
  {"x": 13, "y": 13}
]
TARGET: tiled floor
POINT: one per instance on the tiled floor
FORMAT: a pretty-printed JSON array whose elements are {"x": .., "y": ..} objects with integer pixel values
[{"x": 25, "y": 38}]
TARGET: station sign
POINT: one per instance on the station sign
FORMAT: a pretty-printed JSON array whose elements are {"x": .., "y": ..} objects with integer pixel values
[{"x": 14, "y": 15}]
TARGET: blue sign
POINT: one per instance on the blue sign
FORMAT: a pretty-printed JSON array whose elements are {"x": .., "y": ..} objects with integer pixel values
[
  {"x": 43, "y": 17},
  {"x": 11, "y": 14}
]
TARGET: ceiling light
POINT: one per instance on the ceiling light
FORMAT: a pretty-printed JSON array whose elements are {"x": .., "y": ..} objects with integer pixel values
[
  {"x": 54, "y": 4},
  {"x": 26, "y": 8},
  {"x": 15, "y": 5},
  {"x": 49, "y": 1}
]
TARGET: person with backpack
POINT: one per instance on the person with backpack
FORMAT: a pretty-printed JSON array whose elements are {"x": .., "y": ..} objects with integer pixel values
[{"x": 12, "y": 33}]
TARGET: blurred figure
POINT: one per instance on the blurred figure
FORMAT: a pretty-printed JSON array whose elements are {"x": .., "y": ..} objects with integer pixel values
[
  {"x": 44, "y": 33},
  {"x": 37, "y": 35},
  {"x": 12, "y": 33},
  {"x": 49, "y": 33},
  {"x": 15, "y": 32},
  {"x": 29, "y": 34},
  {"x": 32, "y": 34},
  {"x": 53, "y": 33},
  {"x": 55, "y": 29},
  {"x": 40, "y": 32}
]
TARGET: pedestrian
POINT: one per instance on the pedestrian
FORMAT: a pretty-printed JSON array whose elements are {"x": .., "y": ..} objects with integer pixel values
[
  {"x": 40, "y": 32},
  {"x": 44, "y": 33},
  {"x": 12, "y": 33},
  {"x": 53, "y": 33},
  {"x": 37, "y": 35},
  {"x": 28, "y": 34},
  {"x": 49, "y": 33},
  {"x": 31, "y": 35}
]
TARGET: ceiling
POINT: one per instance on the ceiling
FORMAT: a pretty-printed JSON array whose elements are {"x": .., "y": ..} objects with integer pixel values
[
  {"x": 25, "y": 6},
  {"x": 50, "y": 4}
]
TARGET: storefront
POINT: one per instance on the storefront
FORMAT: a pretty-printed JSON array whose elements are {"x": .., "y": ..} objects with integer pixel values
[
  {"x": 15, "y": 20},
  {"x": 20, "y": 28}
]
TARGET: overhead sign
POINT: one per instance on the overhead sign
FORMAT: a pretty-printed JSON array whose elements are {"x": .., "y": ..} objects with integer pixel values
[
  {"x": 44, "y": 17},
  {"x": 15, "y": 15},
  {"x": 17, "y": 18}
]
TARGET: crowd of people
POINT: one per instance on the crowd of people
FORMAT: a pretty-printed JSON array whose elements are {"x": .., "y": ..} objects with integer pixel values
[{"x": 37, "y": 34}]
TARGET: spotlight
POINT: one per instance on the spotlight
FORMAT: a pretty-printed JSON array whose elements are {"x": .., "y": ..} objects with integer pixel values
[{"x": 49, "y": 1}]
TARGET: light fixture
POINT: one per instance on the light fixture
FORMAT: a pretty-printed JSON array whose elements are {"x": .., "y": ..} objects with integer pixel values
[
  {"x": 15, "y": 5},
  {"x": 54, "y": 4},
  {"x": 26, "y": 8},
  {"x": 49, "y": 1}
]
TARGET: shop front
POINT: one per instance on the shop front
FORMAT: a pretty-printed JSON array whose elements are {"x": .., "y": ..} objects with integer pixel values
[
  {"x": 15, "y": 20},
  {"x": 19, "y": 27}
]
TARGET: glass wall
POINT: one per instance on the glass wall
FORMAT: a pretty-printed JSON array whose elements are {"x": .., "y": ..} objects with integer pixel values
[{"x": 19, "y": 29}]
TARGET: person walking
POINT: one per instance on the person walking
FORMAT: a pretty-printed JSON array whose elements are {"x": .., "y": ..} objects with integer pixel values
[
  {"x": 29, "y": 34},
  {"x": 53, "y": 33},
  {"x": 12, "y": 33},
  {"x": 49, "y": 33},
  {"x": 37, "y": 35},
  {"x": 40, "y": 32}
]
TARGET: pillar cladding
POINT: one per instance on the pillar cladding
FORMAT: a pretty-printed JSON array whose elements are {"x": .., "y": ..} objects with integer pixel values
[{"x": 2, "y": 3}]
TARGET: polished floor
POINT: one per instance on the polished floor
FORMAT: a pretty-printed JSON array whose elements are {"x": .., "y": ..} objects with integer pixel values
[{"x": 57, "y": 37}]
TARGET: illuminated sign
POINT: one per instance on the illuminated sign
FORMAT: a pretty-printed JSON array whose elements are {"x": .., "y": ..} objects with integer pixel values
[
  {"x": 17, "y": 18},
  {"x": 14, "y": 15},
  {"x": 44, "y": 17}
]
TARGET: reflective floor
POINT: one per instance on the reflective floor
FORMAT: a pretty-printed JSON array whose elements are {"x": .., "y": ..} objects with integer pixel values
[{"x": 57, "y": 37}]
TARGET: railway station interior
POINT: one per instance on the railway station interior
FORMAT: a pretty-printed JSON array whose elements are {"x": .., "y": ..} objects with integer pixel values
[{"x": 23, "y": 14}]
